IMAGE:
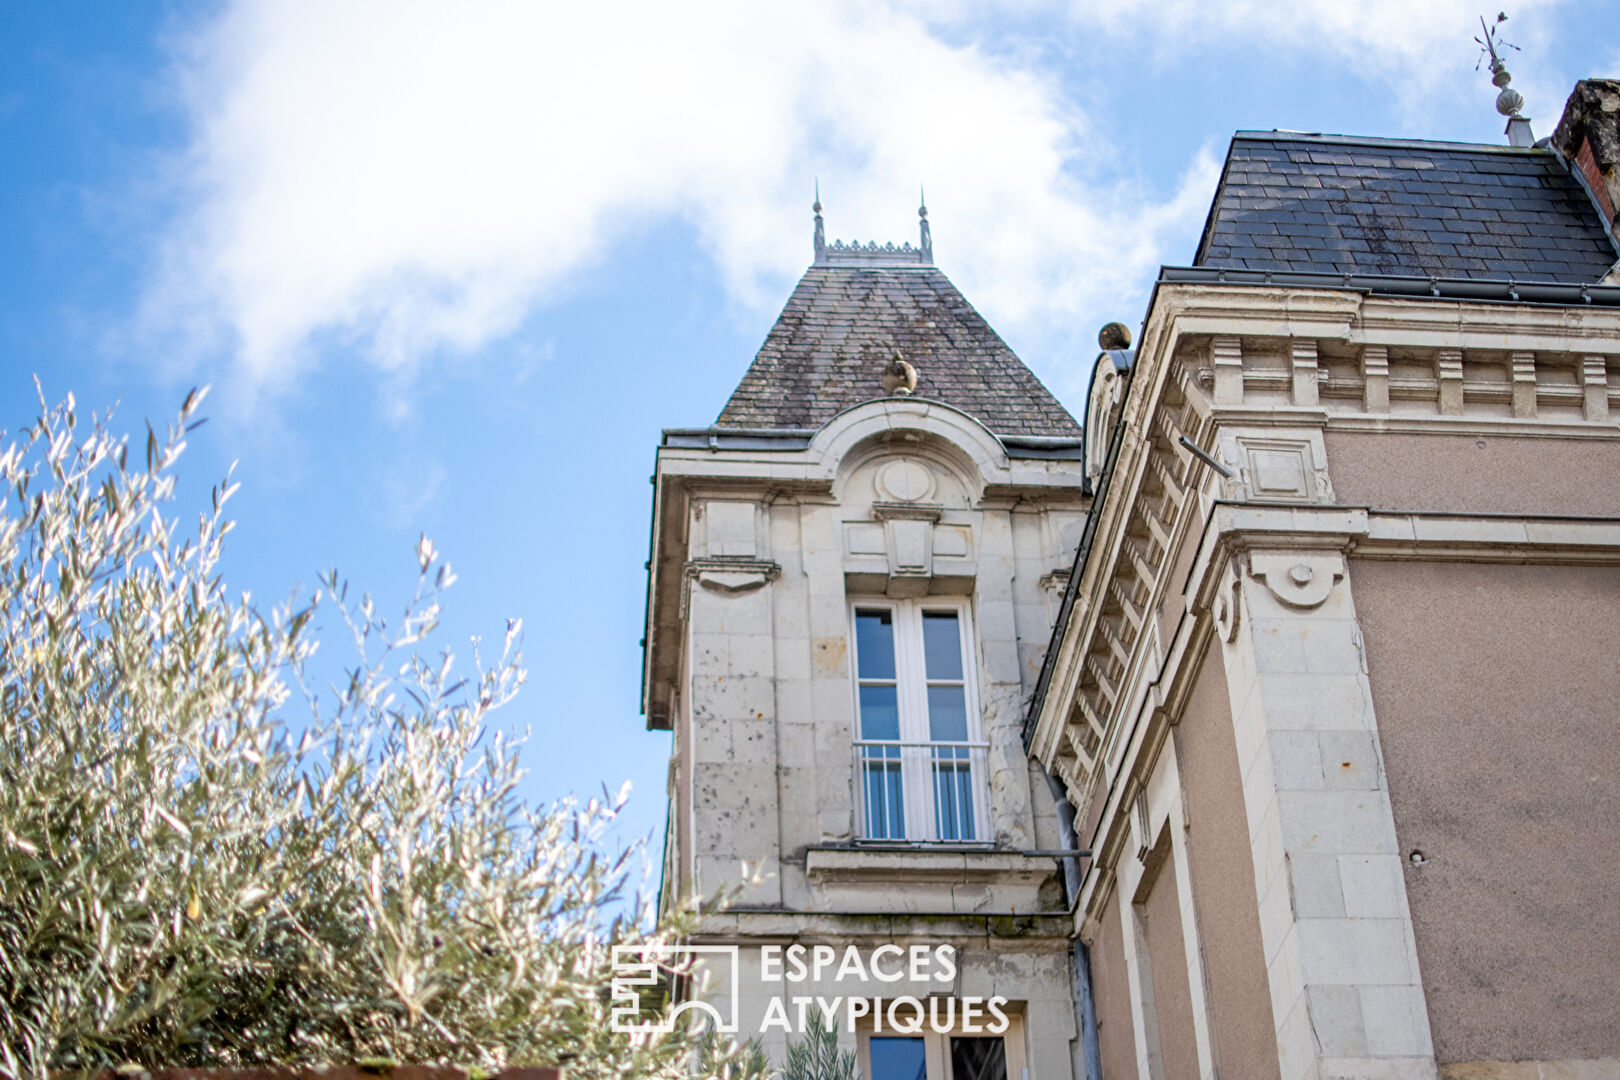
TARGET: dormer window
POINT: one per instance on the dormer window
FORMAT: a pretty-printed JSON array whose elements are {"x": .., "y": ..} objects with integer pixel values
[{"x": 920, "y": 758}]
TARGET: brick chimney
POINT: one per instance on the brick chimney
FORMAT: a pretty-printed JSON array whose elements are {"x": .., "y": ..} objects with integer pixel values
[{"x": 1588, "y": 138}]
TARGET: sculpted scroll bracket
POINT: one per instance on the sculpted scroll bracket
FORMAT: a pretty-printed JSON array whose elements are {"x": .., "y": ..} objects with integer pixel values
[{"x": 1228, "y": 607}]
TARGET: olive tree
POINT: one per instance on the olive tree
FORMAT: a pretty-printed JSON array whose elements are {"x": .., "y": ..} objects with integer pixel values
[{"x": 204, "y": 860}]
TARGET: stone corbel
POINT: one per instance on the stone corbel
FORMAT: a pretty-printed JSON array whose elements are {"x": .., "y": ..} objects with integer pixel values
[
  {"x": 1269, "y": 542},
  {"x": 1298, "y": 579},
  {"x": 728, "y": 577}
]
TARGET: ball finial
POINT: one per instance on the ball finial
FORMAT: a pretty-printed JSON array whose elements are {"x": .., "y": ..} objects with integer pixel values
[{"x": 1114, "y": 335}]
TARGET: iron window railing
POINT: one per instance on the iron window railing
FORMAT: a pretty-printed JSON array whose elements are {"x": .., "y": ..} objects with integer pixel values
[{"x": 922, "y": 791}]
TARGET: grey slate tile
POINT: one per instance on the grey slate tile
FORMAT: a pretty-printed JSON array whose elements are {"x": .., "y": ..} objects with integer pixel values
[
  {"x": 828, "y": 349},
  {"x": 1424, "y": 209}
]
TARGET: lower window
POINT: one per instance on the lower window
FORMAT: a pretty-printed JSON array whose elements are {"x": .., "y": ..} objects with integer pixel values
[{"x": 932, "y": 1056}]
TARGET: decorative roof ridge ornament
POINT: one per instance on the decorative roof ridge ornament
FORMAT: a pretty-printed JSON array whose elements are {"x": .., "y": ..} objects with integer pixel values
[
  {"x": 872, "y": 245},
  {"x": 871, "y": 253},
  {"x": 1509, "y": 101},
  {"x": 925, "y": 234},
  {"x": 821, "y": 229}
]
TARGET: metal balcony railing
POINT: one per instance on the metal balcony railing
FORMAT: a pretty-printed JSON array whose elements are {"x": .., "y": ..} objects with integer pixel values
[{"x": 922, "y": 791}]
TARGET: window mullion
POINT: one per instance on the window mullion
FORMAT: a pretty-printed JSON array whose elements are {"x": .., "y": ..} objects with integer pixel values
[
  {"x": 914, "y": 721},
  {"x": 908, "y": 664}
]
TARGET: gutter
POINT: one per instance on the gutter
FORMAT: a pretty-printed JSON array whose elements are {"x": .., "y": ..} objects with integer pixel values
[
  {"x": 791, "y": 439},
  {"x": 1428, "y": 288},
  {"x": 1085, "y": 1002},
  {"x": 647, "y": 610}
]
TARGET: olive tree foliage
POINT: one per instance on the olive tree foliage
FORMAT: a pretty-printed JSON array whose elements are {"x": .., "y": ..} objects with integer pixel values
[
  {"x": 205, "y": 861},
  {"x": 817, "y": 1055}
]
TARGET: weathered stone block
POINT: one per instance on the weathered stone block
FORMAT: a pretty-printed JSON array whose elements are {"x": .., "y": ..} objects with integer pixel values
[
  {"x": 1318, "y": 893},
  {"x": 1374, "y": 886},
  {"x": 1397, "y": 1021},
  {"x": 1278, "y": 646},
  {"x": 1276, "y": 913},
  {"x": 1337, "y": 1019},
  {"x": 1362, "y": 951},
  {"x": 1296, "y": 760},
  {"x": 1296, "y": 1042},
  {"x": 1350, "y": 761},
  {"x": 1316, "y": 702},
  {"x": 1337, "y": 822}
]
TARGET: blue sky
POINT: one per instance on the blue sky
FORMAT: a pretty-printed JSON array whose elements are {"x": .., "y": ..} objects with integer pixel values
[{"x": 450, "y": 268}]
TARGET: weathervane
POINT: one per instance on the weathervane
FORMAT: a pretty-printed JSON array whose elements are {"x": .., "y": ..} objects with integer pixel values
[{"x": 1509, "y": 101}]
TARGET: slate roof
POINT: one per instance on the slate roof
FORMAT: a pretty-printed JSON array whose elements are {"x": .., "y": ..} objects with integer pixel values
[
  {"x": 838, "y": 331},
  {"x": 1336, "y": 204}
]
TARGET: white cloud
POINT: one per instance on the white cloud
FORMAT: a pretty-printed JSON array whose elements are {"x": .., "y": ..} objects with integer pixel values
[
  {"x": 414, "y": 178},
  {"x": 1414, "y": 49}
]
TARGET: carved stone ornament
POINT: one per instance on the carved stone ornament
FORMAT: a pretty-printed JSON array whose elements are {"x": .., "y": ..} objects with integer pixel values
[
  {"x": 1302, "y": 580},
  {"x": 731, "y": 581},
  {"x": 905, "y": 480},
  {"x": 728, "y": 577},
  {"x": 1229, "y": 609}
]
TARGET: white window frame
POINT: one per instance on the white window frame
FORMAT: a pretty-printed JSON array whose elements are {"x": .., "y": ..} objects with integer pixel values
[
  {"x": 937, "y": 1046},
  {"x": 918, "y": 752}
]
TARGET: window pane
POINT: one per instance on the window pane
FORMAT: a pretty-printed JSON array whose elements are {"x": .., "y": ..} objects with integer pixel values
[
  {"x": 897, "y": 1059},
  {"x": 874, "y": 644},
  {"x": 884, "y": 793},
  {"x": 947, "y": 714},
  {"x": 880, "y": 715},
  {"x": 942, "y": 645},
  {"x": 978, "y": 1058},
  {"x": 953, "y": 793}
]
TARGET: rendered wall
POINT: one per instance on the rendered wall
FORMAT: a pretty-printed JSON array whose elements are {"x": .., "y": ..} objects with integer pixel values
[
  {"x": 1474, "y": 473},
  {"x": 1497, "y": 691},
  {"x": 1116, "y": 1036},
  {"x": 1223, "y": 880},
  {"x": 1160, "y": 915}
]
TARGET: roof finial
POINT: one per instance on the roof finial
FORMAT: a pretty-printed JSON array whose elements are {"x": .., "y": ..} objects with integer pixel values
[
  {"x": 926, "y": 240},
  {"x": 821, "y": 230},
  {"x": 1509, "y": 101},
  {"x": 899, "y": 377}
]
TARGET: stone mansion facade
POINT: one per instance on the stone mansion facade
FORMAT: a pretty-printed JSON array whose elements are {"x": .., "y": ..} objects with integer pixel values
[{"x": 1264, "y": 722}]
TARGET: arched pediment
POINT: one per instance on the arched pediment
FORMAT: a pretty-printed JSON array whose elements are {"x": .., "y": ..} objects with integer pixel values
[{"x": 919, "y": 426}]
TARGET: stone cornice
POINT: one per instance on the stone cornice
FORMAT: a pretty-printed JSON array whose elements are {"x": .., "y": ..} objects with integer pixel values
[
  {"x": 768, "y": 927},
  {"x": 881, "y": 865},
  {"x": 1281, "y": 363},
  {"x": 1290, "y": 312}
]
